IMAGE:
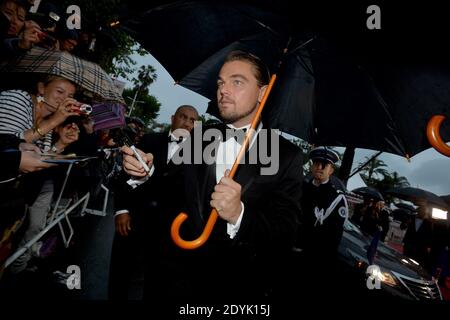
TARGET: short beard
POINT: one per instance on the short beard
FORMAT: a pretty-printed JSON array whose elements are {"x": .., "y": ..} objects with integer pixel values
[{"x": 234, "y": 117}]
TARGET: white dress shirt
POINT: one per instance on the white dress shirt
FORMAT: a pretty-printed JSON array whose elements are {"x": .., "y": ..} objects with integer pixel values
[
  {"x": 173, "y": 146},
  {"x": 227, "y": 153}
]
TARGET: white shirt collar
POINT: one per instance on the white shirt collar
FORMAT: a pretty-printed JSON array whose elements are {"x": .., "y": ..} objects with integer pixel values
[
  {"x": 174, "y": 137},
  {"x": 246, "y": 127}
]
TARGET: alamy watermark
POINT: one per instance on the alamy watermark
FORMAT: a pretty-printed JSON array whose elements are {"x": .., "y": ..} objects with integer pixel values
[
  {"x": 203, "y": 147},
  {"x": 374, "y": 20},
  {"x": 373, "y": 280},
  {"x": 74, "y": 280},
  {"x": 73, "y": 21}
]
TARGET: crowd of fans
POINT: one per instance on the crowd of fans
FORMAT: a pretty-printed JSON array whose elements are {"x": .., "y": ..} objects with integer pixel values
[{"x": 43, "y": 119}]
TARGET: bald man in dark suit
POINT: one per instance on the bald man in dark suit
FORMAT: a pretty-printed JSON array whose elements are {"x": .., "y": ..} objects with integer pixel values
[{"x": 144, "y": 212}]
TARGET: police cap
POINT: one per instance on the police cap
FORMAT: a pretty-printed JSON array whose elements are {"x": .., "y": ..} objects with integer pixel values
[{"x": 324, "y": 154}]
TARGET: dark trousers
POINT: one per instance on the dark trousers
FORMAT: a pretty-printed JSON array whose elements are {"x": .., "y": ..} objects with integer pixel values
[{"x": 126, "y": 278}]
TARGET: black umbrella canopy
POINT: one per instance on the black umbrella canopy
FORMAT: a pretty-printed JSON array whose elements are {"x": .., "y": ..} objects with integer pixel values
[
  {"x": 403, "y": 212},
  {"x": 369, "y": 192},
  {"x": 339, "y": 84},
  {"x": 183, "y": 35},
  {"x": 403, "y": 215},
  {"x": 418, "y": 196},
  {"x": 406, "y": 207},
  {"x": 446, "y": 199}
]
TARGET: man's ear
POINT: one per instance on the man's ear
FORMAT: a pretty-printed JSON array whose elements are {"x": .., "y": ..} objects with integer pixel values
[
  {"x": 331, "y": 169},
  {"x": 262, "y": 91}
]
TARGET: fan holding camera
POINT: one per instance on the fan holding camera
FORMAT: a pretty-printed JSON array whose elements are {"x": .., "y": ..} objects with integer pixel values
[
  {"x": 47, "y": 18},
  {"x": 21, "y": 29},
  {"x": 18, "y": 34}
]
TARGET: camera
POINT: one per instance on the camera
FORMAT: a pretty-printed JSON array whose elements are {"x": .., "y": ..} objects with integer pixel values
[
  {"x": 83, "y": 108},
  {"x": 47, "y": 22}
]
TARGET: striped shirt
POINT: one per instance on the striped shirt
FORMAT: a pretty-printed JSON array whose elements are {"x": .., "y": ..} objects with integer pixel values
[{"x": 16, "y": 116}]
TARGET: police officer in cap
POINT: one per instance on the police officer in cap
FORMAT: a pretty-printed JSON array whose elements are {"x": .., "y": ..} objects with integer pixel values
[{"x": 324, "y": 210}]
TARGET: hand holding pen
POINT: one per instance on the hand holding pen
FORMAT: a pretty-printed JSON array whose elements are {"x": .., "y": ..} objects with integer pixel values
[{"x": 136, "y": 163}]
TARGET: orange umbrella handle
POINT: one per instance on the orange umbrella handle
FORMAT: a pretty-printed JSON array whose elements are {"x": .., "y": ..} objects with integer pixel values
[
  {"x": 193, "y": 244},
  {"x": 434, "y": 137},
  {"x": 176, "y": 224}
]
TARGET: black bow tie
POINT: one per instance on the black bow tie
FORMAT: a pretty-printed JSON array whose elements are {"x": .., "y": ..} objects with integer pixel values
[
  {"x": 237, "y": 134},
  {"x": 170, "y": 139}
]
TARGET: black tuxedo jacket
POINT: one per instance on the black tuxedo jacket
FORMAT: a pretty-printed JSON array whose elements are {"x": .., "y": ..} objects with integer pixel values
[
  {"x": 154, "y": 204},
  {"x": 254, "y": 257},
  {"x": 271, "y": 201},
  {"x": 270, "y": 219}
]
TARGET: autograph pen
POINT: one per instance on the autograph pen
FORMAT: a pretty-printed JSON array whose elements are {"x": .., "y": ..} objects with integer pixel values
[{"x": 138, "y": 156}]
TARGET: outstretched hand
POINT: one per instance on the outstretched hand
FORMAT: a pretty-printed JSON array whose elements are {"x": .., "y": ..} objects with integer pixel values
[{"x": 31, "y": 161}]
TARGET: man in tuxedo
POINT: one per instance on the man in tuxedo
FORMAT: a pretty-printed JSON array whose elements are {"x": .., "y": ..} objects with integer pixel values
[
  {"x": 257, "y": 209},
  {"x": 141, "y": 217}
]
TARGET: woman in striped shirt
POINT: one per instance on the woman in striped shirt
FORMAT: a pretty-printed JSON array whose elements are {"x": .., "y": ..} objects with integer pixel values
[{"x": 32, "y": 117}]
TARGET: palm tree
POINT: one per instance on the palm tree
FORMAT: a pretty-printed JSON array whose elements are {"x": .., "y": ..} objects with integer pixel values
[
  {"x": 374, "y": 167},
  {"x": 375, "y": 175},
  {"x": 390, "y": 180},
  {"x": 146, "y": 76},
  {"x": 397, "y": 181}
]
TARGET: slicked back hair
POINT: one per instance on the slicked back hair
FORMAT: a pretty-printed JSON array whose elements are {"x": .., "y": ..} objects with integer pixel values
[{"x": 261, "y": 71}]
